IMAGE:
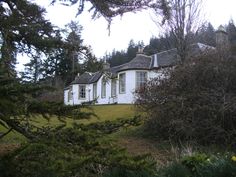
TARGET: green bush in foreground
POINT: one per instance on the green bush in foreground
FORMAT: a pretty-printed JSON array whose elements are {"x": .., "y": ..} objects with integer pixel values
[
  {"x": 122, "y": 172},
  {"x": 201, "y": 165},
  {"x": 73, "y": 152}
]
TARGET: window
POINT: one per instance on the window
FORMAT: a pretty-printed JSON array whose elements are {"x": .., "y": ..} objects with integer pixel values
[
  {"x": 94, "y": 91},
  {"x": 141, "y": 79},
  {"x": 70, "y": 94},
  {"x": 103, "y": 88},
  {"x": 122, "y": 83},
  {"x": 113, "y": 87},
  {"x": 82, "y": 91}
]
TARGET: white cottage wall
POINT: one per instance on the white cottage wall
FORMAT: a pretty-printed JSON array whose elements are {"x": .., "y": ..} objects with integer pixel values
[
  {"x": 122, "y": 98},
  {"x": 66, "y": 102}
]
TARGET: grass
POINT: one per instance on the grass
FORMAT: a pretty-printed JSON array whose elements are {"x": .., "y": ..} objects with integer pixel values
[
  {"x": 130, "y": 138},
  {"x": 110, "y": 112},
  {"x": 103, "y": 112}
]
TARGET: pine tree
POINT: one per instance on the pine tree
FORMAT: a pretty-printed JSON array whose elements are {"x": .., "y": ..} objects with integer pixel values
[
  {"x": 206, "y": 35},
  {"x": 23, "y": 28},
  {"x": 231, "y": 29}
]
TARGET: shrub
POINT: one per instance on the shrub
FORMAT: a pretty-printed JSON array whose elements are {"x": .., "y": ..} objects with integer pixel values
[
  {"x": 174, "y": 170},
  {"x": 196, "y": 102},
  {"x": 199, "y": 165},
  {"x": 70, "y": 152},
  {"x": 218, "y": 166},
  {"x": 122, "y": 172},
  {"x": 194, "y": 161}
]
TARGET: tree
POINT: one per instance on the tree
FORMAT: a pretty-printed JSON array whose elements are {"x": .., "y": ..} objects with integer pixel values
[
  {"x": 183, "y": 23},
  {"x": 206, "y": 35},
  {"x": 120, "y": 57},
  {"x": 23, "y": 28},
  {"x": 231, "y": 29},
  {"x": 159, "y": 44},
  {"x": 50, "y": 151},
  {"x": 33, "y": 69},
  {"x": 90, "y": 64},
  {"x": 109, "y": 9}
]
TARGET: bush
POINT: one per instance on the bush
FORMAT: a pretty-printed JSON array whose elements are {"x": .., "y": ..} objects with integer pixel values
[
  {"x": 194, "y": 161},
  {"x": 72, "y": 152},
  {"x": 220, "y": 167},
  {"x": 199, "y": 165},
  {"x": 196, "y": 102},
  {"x": 122, "y": 172},
  {"x": 174, "y": 170}
]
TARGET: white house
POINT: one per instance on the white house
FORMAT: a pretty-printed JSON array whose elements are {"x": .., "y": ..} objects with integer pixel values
[{"x": 118, "y": 84}]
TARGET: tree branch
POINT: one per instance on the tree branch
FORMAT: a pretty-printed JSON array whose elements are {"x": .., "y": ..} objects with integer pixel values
[{"x": 6, "y": 133}]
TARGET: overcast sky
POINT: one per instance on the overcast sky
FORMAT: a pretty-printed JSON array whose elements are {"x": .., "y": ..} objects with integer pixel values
[{"x": 137, "y": 26}]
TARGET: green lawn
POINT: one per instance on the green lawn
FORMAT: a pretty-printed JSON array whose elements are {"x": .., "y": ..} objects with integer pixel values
[
  {"x": 111, "y": 112},
  {"x": 103, "y": 112},
  {"x": 128, "y": 138}
]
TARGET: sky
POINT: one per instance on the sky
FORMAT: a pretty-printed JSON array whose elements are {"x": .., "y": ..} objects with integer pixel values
[{"x": 137, "y": 26}]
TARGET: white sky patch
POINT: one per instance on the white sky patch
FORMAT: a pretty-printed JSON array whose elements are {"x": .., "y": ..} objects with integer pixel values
[
  {"x": 137, "y": 26},
  {"x": 219, "y": 12}
]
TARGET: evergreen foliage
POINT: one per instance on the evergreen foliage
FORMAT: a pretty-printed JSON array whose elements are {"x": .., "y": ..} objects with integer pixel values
[
  {"x": 23, "y": 28},
  {"x": 109, "y": 9},
  {"x": 50, "y": 151},
  {"x": 120, "y": 57},
  {"x": 231, "y": 29},
  {"x": 78, "y": 151}
]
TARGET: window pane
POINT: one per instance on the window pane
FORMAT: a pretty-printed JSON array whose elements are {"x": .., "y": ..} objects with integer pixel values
[
  {"x": 113, "y": 87},
  {"x": 141, "y": 79},
  {"x": 94, "y": 91},
  {"x": 82, "y": 92},
  {"x": 70, "y": 94},
  {"x": 103, "y": 88},
  {"x": 122, "y": 83}
]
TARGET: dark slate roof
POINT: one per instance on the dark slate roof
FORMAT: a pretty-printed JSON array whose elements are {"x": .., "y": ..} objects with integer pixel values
[
  {"x": 87, "y": 78},
  {"x": 95, "y": 77},
  {"x": 165, "y": 58},
  {"x": 141, "y": 61}
]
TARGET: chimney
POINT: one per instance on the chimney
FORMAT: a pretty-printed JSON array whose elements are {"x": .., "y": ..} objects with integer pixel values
[
  {"x": 222, "y": 41},
  {"x": 140, "y": 50},
  {"x": 105, "y": 66},
  {"x": 155, "y": 63}
]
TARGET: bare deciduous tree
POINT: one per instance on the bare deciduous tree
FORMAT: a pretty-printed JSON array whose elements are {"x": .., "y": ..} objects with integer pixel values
[{"x": 185, "y": 19}]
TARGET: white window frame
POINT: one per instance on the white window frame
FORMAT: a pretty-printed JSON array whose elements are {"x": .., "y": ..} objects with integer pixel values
[
  {"x": 94, "y": 91},
  {"x": 113, "y": 88},
  {"x": 84, "y": 94},
  {"x": 69, "y": 94},
  {"x": 122, "y": 89},
  {"x": 139, "y": 81},
  {"x": 103, "y": 88}
]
